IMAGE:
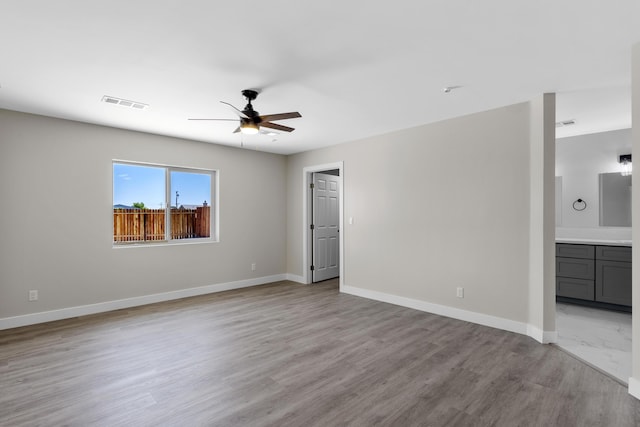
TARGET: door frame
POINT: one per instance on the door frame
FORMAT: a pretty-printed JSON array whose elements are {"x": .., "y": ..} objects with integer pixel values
[{"x": 307, "y": 241}]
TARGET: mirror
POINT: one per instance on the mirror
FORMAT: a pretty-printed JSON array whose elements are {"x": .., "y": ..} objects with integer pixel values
[{"x": 615, "y": 200}]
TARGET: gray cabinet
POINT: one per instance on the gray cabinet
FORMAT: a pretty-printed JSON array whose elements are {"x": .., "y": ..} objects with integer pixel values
[
  {"x": 596, "y": 273},
  {"x": 575, "y": 271},
  {"x": 568, "y": 250},
  {"x": 575, "y": 288},
  {"x": 613, "y": 253},
  {"x": 575, "y": 268},
  {"x": 613, "y": 282}
]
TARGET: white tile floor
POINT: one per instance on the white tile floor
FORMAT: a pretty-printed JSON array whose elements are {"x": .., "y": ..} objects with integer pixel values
[{"x": 599, "y": 337}]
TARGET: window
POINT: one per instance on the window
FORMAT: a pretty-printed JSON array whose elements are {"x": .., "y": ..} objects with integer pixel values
[{"x": 154, "y": 203}]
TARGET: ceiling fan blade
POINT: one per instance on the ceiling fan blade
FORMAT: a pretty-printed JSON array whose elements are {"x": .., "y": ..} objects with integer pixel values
[
  {"x": 281, "y": 116},
  {"x": 237, "y": 130},
  {"x": 238, "y": 112},
  {"x": 224, "y": 120},
  {"x": 276, "y": 126}
]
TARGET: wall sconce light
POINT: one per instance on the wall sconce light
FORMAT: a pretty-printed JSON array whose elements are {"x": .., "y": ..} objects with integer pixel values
[{"x": 626, "y": 166}]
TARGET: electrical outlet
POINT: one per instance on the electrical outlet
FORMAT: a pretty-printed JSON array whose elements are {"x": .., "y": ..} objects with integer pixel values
[
  {"x": 460, "y": 292},
  {"x": 33, "y": 295},
  {"x": 253, "y": 266}
]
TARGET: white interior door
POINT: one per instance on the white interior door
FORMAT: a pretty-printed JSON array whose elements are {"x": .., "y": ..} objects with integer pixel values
[{"x": 326, "y": 222}]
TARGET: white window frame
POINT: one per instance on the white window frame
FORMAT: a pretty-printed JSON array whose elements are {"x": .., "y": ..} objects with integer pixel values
[{"x": 214, "y": 229}]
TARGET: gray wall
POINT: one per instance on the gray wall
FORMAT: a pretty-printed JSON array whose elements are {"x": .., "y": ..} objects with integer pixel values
[
  {"x": 634, "y": 381},
  {"x": 56, "y": 226},
  {"x": 435, "y": 207}
]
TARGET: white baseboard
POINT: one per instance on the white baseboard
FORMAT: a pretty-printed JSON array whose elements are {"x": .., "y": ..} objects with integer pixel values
[
  {"x": 295, "y": 278},
  {"x": 456, "y": 313},
  {"x": 634, "y": 387},
  {"x": 66, "y": 313},
  {"x": 543, "y": 337}
]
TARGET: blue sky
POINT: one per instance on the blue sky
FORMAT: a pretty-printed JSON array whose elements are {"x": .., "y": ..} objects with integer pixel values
[{"x": 133, "y": 183}]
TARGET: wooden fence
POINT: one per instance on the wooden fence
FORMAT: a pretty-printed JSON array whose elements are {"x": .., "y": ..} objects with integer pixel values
[{"x": 143, "y": 225}]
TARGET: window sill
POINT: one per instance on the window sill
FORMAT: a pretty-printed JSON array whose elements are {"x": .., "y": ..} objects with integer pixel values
[{"x": 164, "y": 243}]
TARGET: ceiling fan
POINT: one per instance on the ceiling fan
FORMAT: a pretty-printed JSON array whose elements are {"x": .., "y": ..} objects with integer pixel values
[{"x": 251, "y": 121}]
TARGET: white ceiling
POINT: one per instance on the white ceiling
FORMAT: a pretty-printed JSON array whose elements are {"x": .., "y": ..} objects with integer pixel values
[{"x": 351, "y": 68}]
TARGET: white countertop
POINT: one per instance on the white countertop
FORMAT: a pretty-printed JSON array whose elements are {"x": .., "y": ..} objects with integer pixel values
[{"x": 585, "y": 241}]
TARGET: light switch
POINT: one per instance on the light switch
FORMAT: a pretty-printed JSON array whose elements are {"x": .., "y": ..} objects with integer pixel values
[{"x": 350, "y": 220}]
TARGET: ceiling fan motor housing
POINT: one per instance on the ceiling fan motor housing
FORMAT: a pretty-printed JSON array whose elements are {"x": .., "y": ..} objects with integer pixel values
[
  {"x": 251, "y": 113},
  {"x": 250, "y": 95}
]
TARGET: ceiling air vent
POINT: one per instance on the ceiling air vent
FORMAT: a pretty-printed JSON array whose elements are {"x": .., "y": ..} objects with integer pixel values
[
  {"x": 565, "y": 123},
  {"x": 124, "y": 102}
]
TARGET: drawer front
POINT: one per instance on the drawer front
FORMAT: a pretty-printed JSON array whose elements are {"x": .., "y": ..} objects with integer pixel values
[
  {"x": 575, "y": 288},
  {"x": 575, "y": 268},
  {"x": 613, "y": 253},
  {"x": 568, "y": 250},
  {"x": 613, "y": 282}
]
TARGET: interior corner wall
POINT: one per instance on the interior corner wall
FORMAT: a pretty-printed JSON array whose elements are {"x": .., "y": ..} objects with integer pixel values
[
  {"x": 56, "y": 216},
  {"x": 634, "y": 381},
  {"x": 542, "y": 218},
  {"x": 434, "y": 208}
]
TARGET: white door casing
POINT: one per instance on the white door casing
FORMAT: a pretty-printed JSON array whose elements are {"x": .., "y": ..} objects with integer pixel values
[{"x": 326, "y": 227}]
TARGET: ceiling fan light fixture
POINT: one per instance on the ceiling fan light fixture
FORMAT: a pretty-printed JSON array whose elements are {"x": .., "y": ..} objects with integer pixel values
[{"x": 249, "y": 128}]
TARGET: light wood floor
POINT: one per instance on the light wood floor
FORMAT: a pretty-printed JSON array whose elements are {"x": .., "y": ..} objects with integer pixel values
[{"x": 292, "y": 355}]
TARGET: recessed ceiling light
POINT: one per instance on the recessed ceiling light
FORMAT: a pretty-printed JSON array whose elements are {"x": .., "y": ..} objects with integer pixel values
[{"x": 124, "y": 102}]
